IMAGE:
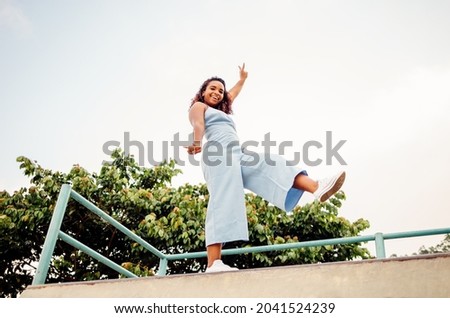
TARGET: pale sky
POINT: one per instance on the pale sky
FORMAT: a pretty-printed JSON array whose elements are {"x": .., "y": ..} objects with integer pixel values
[{"x": 77, "y": 74}]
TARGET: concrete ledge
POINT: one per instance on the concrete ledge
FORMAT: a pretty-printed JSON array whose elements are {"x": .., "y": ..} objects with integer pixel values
[{"x": 418, "y": 277}]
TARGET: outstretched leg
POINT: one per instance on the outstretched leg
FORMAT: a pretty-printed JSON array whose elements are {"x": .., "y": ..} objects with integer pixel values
[
  {"x": 305, "y": 183},
  {"x": 322, "y": 189}
]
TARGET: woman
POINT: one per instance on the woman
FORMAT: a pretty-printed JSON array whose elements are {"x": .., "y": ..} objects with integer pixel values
[{"x": 228, "y": 170}]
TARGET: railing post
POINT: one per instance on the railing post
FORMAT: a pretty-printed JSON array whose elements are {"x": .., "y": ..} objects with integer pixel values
[
  {"x": 162, "y": 267},
  {"x": 52, "y": 235},
  {"x": 379, "y": 245}
]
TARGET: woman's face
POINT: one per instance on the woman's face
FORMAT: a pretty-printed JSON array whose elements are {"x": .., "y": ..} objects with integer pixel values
[{"x": 213, "y": 93}]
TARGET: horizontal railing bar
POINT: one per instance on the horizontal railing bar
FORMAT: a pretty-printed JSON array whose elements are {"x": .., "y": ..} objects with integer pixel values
[
  {"x": 335, "y": 241},
  {"x": 99, "y": 257},
  {"x": 174, "y": 257},
  {"x": 409, "y": 234},
  {"x": 93, "y": 208},
  {"x": 277, "y": 247}
]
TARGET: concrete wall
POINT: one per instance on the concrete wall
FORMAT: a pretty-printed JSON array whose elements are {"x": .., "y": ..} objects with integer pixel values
[{"x": 421, "y": 276}]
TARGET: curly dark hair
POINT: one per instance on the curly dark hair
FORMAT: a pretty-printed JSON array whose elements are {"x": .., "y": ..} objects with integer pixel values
[{"x": 224, "y": 105}]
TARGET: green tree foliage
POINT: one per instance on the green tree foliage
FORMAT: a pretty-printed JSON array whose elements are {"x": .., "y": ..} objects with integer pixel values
[
  {"x": 442, "y": 247},
  {"x": 171, "y": 219}
]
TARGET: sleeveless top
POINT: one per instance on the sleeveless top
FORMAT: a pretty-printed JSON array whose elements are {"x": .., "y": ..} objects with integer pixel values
[{"x": 219, "y": 127}]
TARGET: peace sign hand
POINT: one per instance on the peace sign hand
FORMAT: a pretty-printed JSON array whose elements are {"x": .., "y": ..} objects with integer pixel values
[{"x": 242, "y": 72}]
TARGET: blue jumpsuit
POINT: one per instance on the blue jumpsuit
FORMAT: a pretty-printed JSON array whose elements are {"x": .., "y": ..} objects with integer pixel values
[{"x": 228, "y": 170}]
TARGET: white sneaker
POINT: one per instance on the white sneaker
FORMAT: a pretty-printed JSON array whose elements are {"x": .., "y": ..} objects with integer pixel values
[
  {"x": 329, "y": 186},
  {"x": 219, "y": 266}
]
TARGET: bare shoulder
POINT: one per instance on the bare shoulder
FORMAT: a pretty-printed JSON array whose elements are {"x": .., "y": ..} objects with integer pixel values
[{"x": 198, "y": 106}]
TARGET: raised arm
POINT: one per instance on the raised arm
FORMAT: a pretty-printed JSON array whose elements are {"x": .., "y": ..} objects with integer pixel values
[{"x": 236, "y": 89}]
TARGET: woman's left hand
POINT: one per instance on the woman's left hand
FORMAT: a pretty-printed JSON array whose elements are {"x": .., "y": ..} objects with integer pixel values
[{"x": 242, "y": 72}]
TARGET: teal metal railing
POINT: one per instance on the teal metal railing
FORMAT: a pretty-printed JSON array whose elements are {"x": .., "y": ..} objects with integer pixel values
[{"x": 54, "y": 233}]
